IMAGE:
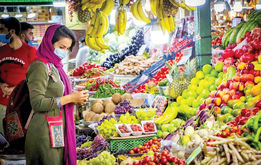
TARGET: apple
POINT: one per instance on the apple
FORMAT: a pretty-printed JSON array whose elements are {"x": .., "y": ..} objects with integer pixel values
[
  {"x": 226, "y": 98},
  {"x": 217, "y": 101},
  {"x": 202, "y": 106},
  {"x": 241, "y": 86}
]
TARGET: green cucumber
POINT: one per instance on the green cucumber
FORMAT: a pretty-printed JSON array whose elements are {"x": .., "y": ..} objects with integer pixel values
[
  {"x": 228, "y": 37},
  {"x": 243, "y": 30}
]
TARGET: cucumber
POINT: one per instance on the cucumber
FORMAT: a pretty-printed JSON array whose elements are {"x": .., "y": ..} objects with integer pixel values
[{"x": 233, "y": 36}]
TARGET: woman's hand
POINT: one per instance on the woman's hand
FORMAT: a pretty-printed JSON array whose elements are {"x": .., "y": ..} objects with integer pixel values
[{"x": 80, "y": 97}]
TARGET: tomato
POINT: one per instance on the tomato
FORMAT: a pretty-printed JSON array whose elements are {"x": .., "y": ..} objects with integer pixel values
[
  {"x": 131, "y": 152},
  {"x": 164, "y": 160},
  {"x": 165, "y": 153}
]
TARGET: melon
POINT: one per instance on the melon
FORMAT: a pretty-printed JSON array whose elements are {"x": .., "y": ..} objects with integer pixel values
[
  {"x": 89, "y": 115},
  {"x": 97, "y": 101},
  {"x": 97, "y": 108},
  {"x": 109, "y": 108},
  {"x": 126, "y": 96},
  {"x": 116, "y": 98},
  {"x": 105, "y": 102}
]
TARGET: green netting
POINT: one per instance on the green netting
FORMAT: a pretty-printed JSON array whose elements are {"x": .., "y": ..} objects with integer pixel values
[{"x": 128, "y": 144}]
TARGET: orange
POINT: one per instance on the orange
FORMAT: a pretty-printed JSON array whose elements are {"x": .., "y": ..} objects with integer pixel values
[{"x": 256, "y": 90}]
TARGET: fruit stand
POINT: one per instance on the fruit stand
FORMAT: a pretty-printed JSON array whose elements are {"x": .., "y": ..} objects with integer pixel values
[{"x": 159, "y": 105}]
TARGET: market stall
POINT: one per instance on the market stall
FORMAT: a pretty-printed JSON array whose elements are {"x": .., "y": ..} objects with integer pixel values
[{"x": 169, "y": 82}]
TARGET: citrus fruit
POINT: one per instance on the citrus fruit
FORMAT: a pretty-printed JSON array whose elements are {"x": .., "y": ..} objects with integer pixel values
[{"x": 199, "y": 75}]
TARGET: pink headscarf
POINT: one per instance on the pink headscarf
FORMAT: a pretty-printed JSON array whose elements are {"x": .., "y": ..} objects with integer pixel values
[{"x": 46, "y": 53}]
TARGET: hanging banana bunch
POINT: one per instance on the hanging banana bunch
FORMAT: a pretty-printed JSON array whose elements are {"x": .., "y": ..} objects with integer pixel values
[
  {"x": 138, "y": 13},
  {"x": 107, "y": 7},
  {"x": 92, "y": 4},
  {"x": 121, "y": 17},
  {"x": 99, "y": 26}
]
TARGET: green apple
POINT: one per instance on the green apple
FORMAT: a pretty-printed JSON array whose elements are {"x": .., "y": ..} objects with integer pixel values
[
  {"x": 200, "y": 75},
  {"x": 207, "y": 68},
  {"x": 219, "y": 66},
  {"x": 194, "y": 81},
  {"x": 214, "y": 73}
]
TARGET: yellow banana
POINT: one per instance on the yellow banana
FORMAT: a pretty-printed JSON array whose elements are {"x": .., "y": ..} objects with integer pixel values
[
  {"x": 153, "y": 7},
  {"x": 170, "y": 114},
  {"x": 134, "y": 11},
  {"x": 101, "y": 25},
  {"x": 141, "y": 13},
  {"x": 107, "y": 7},
  {"x": 160, "y": 15},
  {"x": 106, "y": 23},
  {"x": 117, "y": 25},
  {"x": 92, "y": 43},
  {"x": 184, "y": 6},
  {"x": 166, "y": 22},
  {"x": 101, "y": 43},
  {"x": 174, "y": 3},
  {"x": 171, "y": 23},
  {"x": 91, "y": 26},
  {"x": 122, "y": 20},
  {"x": 96, "y": 25}
]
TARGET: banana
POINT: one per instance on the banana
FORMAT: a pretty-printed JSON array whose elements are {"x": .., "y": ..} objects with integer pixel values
[
  {"x": 106, "y": 23},
  {"x": 123, "y": 20},
  {"x": 101, "y": 43},
  {"x": 101, "y": 25},
  {"x": 124, "y": 2},
  {"x": 134, "y": 11},
  {"x": 174, "y": 3},
  {"x": 170, "y": 113},
  {"x": 92, "y": 43},
  {"x": 171, "y": 23},
  {"x": 159, "y": 10},
  {"x": 96, "y": 24},
  {"x": 91, "y": 26},
  {"x": 141, "y": 13},
  {"x": 166, "y": 22},
  {"x": 153, "y": 4},
  {"x": 117, "y": 16},
  {"x": 107, "y": 7}
]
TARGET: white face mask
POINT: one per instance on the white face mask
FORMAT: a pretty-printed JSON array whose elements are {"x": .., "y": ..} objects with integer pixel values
[{"x": 60, "y": 53}]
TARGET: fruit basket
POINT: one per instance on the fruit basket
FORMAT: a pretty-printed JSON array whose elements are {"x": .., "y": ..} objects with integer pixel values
[
  {"x": 136, "y": 129},
  {"x": 123, "y": 130},
  {"x": 127, "y": 143},
  {"x": 149, "y": 127}
]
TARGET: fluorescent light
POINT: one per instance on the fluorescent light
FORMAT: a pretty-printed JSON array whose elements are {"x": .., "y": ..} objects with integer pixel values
[
  {"x": 59, "y": 4},
  {"x": 31, "y": 15},
  {"x": 219, "y": 7},
  {"x": 159, "y": 38},
  {"x": 18, "y": 14},
  {"x": 195, "y": 2},
  {"x": 5, "y": 14},
  {"x": 238, "y": 6}
]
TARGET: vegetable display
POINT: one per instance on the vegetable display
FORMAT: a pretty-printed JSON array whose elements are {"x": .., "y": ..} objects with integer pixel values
[{"x": 107, "y": 90}]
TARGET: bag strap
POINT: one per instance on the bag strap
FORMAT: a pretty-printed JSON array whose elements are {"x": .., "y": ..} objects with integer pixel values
[{"x": 32, "y": 111}]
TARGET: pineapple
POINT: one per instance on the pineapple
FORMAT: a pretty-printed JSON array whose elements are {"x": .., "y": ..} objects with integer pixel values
[
  {"x": 181, "y": 80},
  {"x": 84, "y": 15},
  {"x": 175, "y": 87},
  {"x": 169, "y": 8},
  {"x": 190, "y": 71}
]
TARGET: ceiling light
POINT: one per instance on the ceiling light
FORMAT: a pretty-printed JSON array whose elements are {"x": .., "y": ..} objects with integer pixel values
[
  {"x": 31, "y": 15},
  {"x": 18, "y": 14},
  {"x": 5, "y": 14},
  {"x": 195, "y": 2},
  {"x": 219, "y": 6}
]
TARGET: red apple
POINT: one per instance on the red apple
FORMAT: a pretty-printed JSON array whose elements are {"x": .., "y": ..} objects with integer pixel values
[{"x": 226, "y": 98}]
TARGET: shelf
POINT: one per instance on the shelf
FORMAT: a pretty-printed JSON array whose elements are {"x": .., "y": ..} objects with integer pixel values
[{"x": 42, "y": 23}]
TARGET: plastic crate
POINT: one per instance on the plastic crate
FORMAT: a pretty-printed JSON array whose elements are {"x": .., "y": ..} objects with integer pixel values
[{"x": 117, "y": 145}]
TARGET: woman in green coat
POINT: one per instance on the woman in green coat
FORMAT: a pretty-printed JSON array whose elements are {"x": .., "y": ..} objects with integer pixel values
[{"x": 51, "y": 96}]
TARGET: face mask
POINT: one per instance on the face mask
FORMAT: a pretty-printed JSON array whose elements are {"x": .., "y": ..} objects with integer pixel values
[
  {"x": 30, "y": 43},
  {"x": 60, "y": 53},
  {"x": 3, "y": 39}
]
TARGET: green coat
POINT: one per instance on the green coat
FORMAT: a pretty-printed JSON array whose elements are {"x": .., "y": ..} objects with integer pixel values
[{"x": 43, "y": 92}]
